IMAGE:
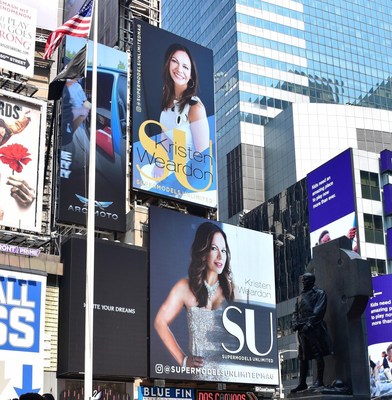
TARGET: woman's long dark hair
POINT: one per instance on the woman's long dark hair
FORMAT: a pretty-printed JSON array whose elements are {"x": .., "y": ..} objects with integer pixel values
[
  {"x": 168, "y": 85},
  {"x": 7, "y": 133},
  {"x": 198, "y": 269}
]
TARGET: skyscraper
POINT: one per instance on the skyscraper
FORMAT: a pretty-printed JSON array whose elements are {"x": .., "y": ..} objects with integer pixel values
[{"x": 268, "y": 54}]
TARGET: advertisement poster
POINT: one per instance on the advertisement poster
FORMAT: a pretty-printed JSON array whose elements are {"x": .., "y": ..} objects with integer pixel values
[
  {"x": 331, "y": 201},
  {"x": 22, "y": 309},
  {"x": 18, "y": 23},
  {"x": 120, "y": 310},
  {"x": 111, "y": 138},
  {"x": 212, "y": 301},
  {"x": 22, "y": 154},
  {"x": 174, "y": 146},
  {"x": 379, "y": 332}
]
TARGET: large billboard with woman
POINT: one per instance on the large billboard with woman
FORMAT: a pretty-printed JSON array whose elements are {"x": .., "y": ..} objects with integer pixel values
[
  {"x": 212, "y": 301},
  {"x": 173, "y": 117}
]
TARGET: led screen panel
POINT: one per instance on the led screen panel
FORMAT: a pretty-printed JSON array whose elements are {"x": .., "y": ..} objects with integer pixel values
[{"x": 227, "y": 330}]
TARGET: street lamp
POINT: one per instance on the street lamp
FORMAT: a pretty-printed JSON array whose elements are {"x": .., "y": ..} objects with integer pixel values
[{"x": 281, "y": 359}]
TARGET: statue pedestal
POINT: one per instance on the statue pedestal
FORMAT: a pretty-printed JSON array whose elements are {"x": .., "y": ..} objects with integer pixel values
[{"x": 325, "y": 394}]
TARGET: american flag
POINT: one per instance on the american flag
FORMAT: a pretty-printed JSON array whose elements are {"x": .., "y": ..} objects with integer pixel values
[{"x": 78, "y": 25}]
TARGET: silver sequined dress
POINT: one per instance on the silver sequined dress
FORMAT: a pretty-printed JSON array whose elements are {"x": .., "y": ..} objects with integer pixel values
[{"x": 205, "y": 336}]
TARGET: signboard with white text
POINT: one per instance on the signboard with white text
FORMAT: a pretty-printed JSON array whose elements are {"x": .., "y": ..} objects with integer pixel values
[
  {"x": 379, "y": 337},
  {"x": 331, "y": 201},
  {"x": 17, "y": 45},
  {"x": 22, "y": 317}
]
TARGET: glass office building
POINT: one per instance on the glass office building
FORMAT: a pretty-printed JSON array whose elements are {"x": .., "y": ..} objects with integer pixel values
[{"x": 271, "y": 53}]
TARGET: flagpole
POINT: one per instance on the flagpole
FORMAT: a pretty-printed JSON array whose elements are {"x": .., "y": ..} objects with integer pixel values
[{"x": 89, "y": 320}]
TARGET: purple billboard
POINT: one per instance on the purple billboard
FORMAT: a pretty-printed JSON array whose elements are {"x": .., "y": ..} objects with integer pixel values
[
  {"x": 212, "y": 301},
  {"x": 379, "y": 331},
  {"x": 386, "y": 161},
  {"x": 389, "y": 243},
  {"x": 387, "y": 189},
  {"x": 331, "y": 201}
]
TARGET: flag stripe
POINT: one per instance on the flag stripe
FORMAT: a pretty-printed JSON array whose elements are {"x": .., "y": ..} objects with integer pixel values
[{"x": 78, "y": 25}]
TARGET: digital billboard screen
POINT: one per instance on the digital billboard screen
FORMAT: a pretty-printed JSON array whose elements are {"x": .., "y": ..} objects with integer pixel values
[
  {"x": 386, "y": 161},
  {"x": 22, "y": 352},
  {"x": 120, "y": 310},
  {"x": 174, "y": 144},
  {"x": 331, "y": 201},
  {"x": 379, "y": 328},
  {"x": 212, "y": 301},
  {"x": 22, "y": 157},
  {"x": 111, "y": 139}
]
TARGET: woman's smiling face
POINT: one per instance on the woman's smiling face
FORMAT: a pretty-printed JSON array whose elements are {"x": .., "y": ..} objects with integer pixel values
[
  {"x": 180, "y": 68},
  {"x": 216, "y": 259}
]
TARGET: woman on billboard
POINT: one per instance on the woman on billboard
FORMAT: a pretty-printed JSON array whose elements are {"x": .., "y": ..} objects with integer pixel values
[
  {"x": 203, "y": 294},
  {"x": 180, "y": 106}
]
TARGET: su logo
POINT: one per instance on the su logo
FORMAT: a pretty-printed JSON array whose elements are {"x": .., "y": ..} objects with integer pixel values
[{"x": 249, "y": 336}]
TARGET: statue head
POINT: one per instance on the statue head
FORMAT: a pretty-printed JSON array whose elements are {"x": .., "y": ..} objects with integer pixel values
[{"x": 308, "y": 280}]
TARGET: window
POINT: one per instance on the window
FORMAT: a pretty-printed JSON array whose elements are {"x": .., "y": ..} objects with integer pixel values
[
  {"x": 234, "y": 175},
  {"x": 369, "y": 185},
  {"x": 373, "y": 229},
  {"x": 377, "y": 266}
]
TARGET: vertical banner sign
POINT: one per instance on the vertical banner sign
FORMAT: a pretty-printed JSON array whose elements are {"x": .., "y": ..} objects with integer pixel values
[
  {"x": 215, "y": 295},
  {"x": 17, "y": 45},
  {"x": 379, "y": 328},
  {"x": 22, "y": 153},
  {"x": 111, "y": 137},
  {"x": 331, "y": 201},
  {"x": 22, "y": 317},
  {"x": 173, "y": 153}
]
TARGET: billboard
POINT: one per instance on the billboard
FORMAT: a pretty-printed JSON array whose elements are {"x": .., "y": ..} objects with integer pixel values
[
  {"x": 111, "y": 138},
  {"x": 18, "y": 23},
  {"x": 22, "y": 153},
  {"x": 22, "y": 310},
  {"x": 226, "y": 331},
  {"x": 389, "y": 243},
  {"x": 174, "y": 146},
  {"x": 46, "y": 13},
  {"x": 386, "y": 161},
  {"x": 387, "y": 199},
  {"x": 331, "y": 201},
  {"x": 379, "y": 328},
  {"x": 120, "y": 310}
]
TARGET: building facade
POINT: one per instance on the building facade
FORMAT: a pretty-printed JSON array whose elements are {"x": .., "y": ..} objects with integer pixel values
[{"x": 268, "y": 54}]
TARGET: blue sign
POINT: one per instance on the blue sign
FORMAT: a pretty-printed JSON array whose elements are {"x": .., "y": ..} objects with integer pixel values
[
  {"x": 20, "y": 314},
  {"x": 389, "y": 243},
  {"x": 386, "y": 161},
  {"x": 387, "y": 199},
  {"x": 379, "y": 311},
  {"x": 331, "y": 191}
]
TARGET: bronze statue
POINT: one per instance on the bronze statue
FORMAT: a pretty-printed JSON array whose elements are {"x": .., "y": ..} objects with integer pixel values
[{"x": 313, "y": 338}]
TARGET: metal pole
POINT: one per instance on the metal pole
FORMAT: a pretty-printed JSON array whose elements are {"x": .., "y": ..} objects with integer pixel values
[{"x": 89, "y": 310}]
